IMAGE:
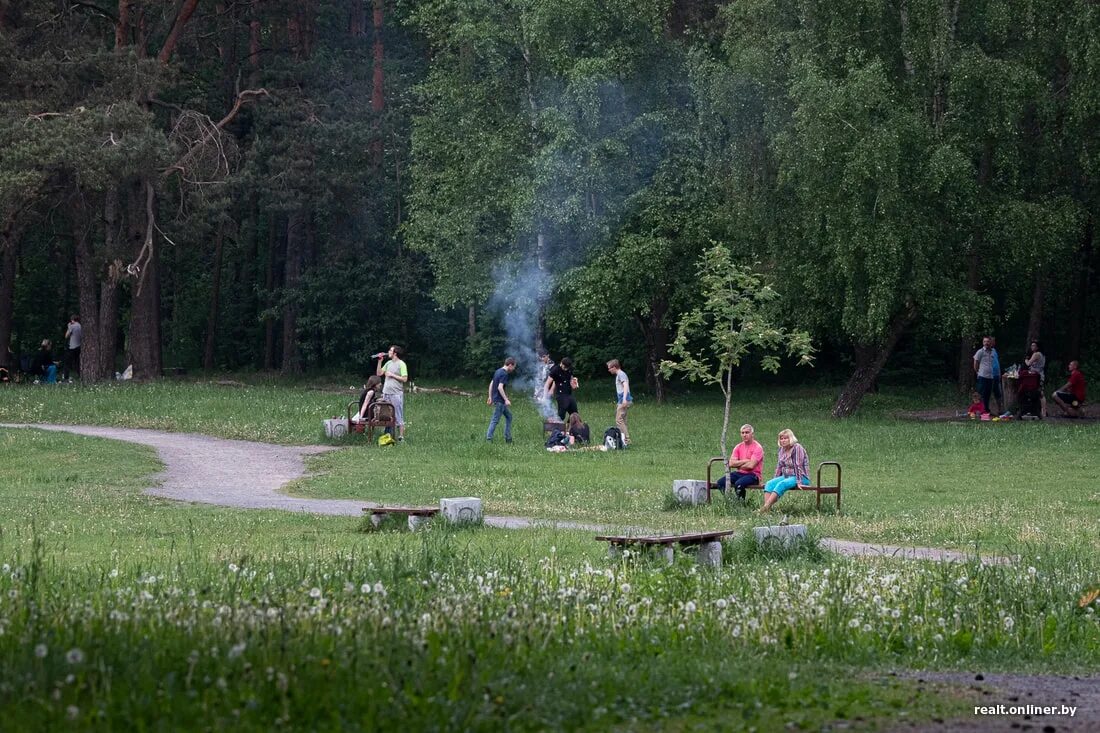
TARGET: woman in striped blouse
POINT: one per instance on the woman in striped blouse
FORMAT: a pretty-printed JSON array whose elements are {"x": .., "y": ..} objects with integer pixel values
[{"x": 792, "y": 466}]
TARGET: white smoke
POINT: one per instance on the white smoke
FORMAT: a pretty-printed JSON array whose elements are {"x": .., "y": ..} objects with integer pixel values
[{"x": 521, "y": 291}]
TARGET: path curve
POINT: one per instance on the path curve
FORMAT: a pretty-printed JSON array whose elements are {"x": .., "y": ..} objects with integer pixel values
[{"x": 250, "y": 475}]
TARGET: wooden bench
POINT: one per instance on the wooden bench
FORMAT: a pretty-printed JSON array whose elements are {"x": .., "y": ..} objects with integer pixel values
[
  {"x": 417, "y": 514},
  {"x": 709, "y": 544},
  {"x": 818, "y": 487}
]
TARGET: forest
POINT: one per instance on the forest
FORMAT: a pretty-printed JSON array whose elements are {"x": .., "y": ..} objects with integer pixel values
[{"x": 291, "y": 186}]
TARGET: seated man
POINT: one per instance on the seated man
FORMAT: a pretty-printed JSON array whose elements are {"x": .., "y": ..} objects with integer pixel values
[
  {"x": 1071, "y": 395},
  {"x": 746, "y": 463}
]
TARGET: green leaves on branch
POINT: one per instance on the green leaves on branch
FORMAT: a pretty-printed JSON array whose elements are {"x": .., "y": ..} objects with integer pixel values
[{"x": 736, "y": 318}]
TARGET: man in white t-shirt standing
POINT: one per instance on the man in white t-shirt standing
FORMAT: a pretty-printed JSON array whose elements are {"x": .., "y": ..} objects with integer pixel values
[
  {"x": 396, "y": 374},
  {"x": 75, "y": 334}
]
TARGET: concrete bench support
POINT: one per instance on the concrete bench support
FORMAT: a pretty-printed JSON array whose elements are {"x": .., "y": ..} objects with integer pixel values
[
  {"x": 417, "y": 521},
  {"x": 785, "y": 535},
  {"x": 461, "y": 510},
  {"x": 690, "y": 492},
  {"x": 710, "y": 554}
]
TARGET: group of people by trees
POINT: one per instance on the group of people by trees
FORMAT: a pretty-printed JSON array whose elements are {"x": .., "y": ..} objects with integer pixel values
[
  {"x": 208, "y": 181},
  {"x": 1070, "y": 397}
]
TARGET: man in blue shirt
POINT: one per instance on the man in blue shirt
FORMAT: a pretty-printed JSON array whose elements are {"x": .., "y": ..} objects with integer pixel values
[{"x": 498, "y": 398}]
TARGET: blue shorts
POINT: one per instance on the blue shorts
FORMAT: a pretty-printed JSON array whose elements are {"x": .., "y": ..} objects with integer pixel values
[{"x": 781, "y": 484}]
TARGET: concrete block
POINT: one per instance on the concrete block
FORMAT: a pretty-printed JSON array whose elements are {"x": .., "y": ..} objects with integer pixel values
[
  {"x": 614, "y": 552},
  {"x": 377, "y": 519},
  {"x": 668, "y": 552},
  {"x": 335, "y": 428},
  {"x": 710, "y": 554},
  {"x": 461, "y": 509},
  {"x": 690, "y": 491},
  {"x": 416, "y": 522},
  {"x": 783, "y": 534}
]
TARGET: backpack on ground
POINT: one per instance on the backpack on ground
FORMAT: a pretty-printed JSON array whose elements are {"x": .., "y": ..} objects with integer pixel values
[
  {"x": 613, "y": 439},
  {"x": 557, "y": 438}
]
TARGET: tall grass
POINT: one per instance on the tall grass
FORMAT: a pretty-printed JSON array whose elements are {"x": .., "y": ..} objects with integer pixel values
[{"x": 118, "y": 611}]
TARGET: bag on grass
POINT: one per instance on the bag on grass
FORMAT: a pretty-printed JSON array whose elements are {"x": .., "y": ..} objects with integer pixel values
[
  {"x": 613, "y": 439},
  {"x": 557, "y": 438}
]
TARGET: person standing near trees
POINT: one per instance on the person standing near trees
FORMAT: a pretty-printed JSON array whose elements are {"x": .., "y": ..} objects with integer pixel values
[
  {"x": 623, "y": 398},
  {"x": 396, "y": 374},
  {"x": 498, "y": 398},
  {"x": 75, "y": 334},
  {"x": 983, "y": 368},
  {"x": 560, "y": 382},
  {"x": 1037, "y": 362}
]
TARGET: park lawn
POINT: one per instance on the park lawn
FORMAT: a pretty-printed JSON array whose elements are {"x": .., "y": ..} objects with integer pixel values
[
  {"x": 995, "y": 487},
  {"x": 121, "y": 611}
]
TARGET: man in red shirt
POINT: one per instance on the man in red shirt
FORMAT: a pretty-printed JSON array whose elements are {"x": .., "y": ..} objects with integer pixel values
[
  {"x": 1071, "y": 395},
  {"x": 746, "y": 463}
]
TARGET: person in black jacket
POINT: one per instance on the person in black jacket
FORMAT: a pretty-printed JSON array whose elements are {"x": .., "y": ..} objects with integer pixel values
[{"x": 560, "y": 383}]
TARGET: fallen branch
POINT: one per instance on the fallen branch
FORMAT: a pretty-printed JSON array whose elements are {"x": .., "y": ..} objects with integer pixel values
[{"x": 442, "y": 390}]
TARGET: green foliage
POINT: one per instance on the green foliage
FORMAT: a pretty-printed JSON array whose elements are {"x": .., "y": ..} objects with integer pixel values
[{"x": 736, "y": 318}]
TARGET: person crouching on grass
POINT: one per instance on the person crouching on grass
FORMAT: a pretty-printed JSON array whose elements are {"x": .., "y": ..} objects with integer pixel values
[
  {"x": 792, "y": 467},
  {"x": 498, "y": 398},
  {"x": 623, "y": 399}
]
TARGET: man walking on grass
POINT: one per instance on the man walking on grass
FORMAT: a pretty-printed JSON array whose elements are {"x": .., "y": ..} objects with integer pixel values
[
  {"x": 396, "y": 374},
  {"x": 623, "y": 398},
  {"x": 498, "y": 398}
]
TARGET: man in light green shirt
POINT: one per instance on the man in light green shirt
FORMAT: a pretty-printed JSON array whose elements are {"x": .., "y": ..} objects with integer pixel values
[{"x": 396, "y": 374}]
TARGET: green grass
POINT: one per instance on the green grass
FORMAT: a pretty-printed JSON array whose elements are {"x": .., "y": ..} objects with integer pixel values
[
  {"x": 960, "y": 485},
  {"x": 120, "y": 611}
]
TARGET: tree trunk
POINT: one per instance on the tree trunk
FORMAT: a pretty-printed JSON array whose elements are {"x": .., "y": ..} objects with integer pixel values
[
  {"x": 870, "y": 359},
  {"x": 109, "y": 286},
  {"x": 215, "y": 294},
  {"x": 973, "y": 276},
  {"x": 269, "y": 287},
  {"x": 145, "y": 342},
  {"x": 186, "y": 10},
  {"x": 295, "y": 238},
  {"x": 377, "y": 97},
  {"x": 1035, "y": 318},
  {"x": 471, "y": 322},
  {"x": 122, "y": 35},
  {"x": 254, "y": 42},
  {"x": 655, "y": 335},
  {"x": 965, "y": 364},
  {"x": 108, "y": 321},
  {"x": 91, "y": 359},
  {"x": 1079, "y": 300},
  {"x": 9, "y": 255}
]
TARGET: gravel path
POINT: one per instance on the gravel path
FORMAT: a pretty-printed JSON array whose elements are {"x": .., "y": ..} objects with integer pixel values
[
  {"x": 249, "y": 475},
  {"x": 1016, "y": 691}
]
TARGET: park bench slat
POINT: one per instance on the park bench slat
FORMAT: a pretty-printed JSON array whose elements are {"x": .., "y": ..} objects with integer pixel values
[
  {"x": 416, "y": 511},
  {"x": 665, "y": 539}
]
